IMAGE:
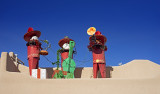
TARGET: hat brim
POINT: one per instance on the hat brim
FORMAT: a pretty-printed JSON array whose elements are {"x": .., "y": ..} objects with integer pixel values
[
  {"x": 102, "y": 38},
  {"x": 63, "y": 41},
  {"x": 29, "y": 35}
]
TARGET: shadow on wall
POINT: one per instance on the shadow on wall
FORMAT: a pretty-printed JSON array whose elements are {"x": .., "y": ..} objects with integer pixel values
[
  {"x": 49, "y": 72},
  {"x": 10, "y": 65},
  {"x": 78, "y": 72},
  {"x": 109, "y": 70}
]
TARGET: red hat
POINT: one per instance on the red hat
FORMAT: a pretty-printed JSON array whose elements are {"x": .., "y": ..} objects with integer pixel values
[
  {"x": 30, "y": 33},
  {"x": 98, "y": 33},
  {"x": 100, "y": 37},
  {"x": 63, "y": 41}
]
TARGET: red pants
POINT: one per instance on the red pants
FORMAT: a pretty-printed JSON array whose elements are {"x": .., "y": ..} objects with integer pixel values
[{"x": 101, "y": 67}]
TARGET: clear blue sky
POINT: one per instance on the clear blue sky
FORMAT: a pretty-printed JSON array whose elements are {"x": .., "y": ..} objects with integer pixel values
[{"x": 132, "y": 27}]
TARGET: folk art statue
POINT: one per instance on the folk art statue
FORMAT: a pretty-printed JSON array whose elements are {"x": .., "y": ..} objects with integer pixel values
[
  {"x": 96, "y": 45},
  {"x": 67, "y": 63},
  {"x": 34, "y": 49}
]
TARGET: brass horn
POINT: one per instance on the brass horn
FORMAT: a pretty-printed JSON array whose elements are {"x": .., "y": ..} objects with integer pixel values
[{"x": 91, "y": 31}]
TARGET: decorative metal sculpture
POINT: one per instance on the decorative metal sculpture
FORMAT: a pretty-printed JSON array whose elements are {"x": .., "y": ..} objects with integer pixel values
[
  {"x": 97, "y": 46},
  {"x": 68, "y": 64},
  {"x": 33, "y": 47}
]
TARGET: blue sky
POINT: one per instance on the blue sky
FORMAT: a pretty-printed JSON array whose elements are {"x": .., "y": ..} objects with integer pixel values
[{"x": 132, "y": 27}]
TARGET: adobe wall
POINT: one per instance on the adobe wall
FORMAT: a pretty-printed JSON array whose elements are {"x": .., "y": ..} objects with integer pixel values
[
  {"x": 18, "y": 81},
  {"x": 8, "y": 64},
  {"x": 136, "y": 69},
  {"x": 133, "y": 69}
]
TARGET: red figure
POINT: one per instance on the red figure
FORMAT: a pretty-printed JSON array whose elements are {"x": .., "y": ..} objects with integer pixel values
[
  {"x": 64, "y": 44},
  {"x": 33, "y": 48},
  {"x": 97, "y": 46}
]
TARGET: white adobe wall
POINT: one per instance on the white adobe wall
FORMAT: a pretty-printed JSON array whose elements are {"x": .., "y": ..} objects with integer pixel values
[
  {"x": 136, "y": 69},
  {"x": 133, "y": 69}
]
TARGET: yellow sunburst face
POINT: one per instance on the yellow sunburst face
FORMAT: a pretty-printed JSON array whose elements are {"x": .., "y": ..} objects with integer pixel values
[{"x": 91, "y": 30}]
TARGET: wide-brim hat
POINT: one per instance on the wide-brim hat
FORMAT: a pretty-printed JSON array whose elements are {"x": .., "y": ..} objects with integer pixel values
[
  {"x": 31, "y": 33},
  {"x": 102, "y": 38},
  {"x": 99, "y": 36},
  {"x": 64, "y": 40}
]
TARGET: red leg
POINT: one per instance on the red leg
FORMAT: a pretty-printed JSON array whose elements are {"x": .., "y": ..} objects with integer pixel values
[
  {"x": 102, "y": 68},
  {"x": 95, "y": 69}
]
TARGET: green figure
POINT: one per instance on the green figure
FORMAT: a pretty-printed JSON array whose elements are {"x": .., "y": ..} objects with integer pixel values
[
  {"x": 68, "y": 64},
  {"x": 59, "y": 73}
]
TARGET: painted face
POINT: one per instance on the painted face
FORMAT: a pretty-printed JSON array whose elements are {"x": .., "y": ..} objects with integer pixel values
[
  {"x": 66, "y": 46},
  {"x": 34, "y": 38}
]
